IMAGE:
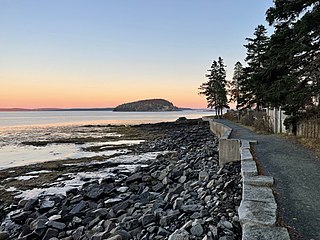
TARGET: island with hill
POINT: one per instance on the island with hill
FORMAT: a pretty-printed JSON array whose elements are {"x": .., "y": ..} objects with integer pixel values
[{"x": 149, "y": 105}]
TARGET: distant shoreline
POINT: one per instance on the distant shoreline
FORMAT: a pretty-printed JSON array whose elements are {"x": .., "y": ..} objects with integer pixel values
[
  {"x": 70, "y": 109},
  {"x": 52, "y": 109}
]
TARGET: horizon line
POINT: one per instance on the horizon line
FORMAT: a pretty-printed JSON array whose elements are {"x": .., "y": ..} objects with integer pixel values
[{"x": 73, "y": 109}]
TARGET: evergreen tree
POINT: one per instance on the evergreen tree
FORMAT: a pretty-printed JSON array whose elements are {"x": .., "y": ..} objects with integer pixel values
[
  {"x": 233, "y": 85},
  {"x": 215, "y": 87},
  {"x": 295, "y": 51},
  {"x": 252, "y": 87}
]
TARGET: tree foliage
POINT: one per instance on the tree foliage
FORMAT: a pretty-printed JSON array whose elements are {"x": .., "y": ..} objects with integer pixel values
[
  {"x": 295, "y": 51},
  {"x": 233, "y": 84},
  {"x": 282, "y": 70},
  {"x": 215, "y": 87},
  {"x": 252, "y": 87}
]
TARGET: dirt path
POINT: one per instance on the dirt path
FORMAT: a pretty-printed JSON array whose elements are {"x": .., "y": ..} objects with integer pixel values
[{"x": 296, "y": 171}]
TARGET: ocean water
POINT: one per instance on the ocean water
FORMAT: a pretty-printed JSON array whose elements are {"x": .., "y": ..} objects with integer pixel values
[
  {"x": 59, "y": 118},
  {"x": 18, "y": 127}
]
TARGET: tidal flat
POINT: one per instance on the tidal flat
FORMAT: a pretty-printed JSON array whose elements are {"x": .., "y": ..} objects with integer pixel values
[{"x": 55, "y": 153}]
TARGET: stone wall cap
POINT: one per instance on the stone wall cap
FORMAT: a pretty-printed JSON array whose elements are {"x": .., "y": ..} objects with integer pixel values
[
  {"x": 264, "y": 181},
  {"x": 253, "y": 232},
  {"x": 257, "y": 194},
  {"x": 262, "y": 213}
]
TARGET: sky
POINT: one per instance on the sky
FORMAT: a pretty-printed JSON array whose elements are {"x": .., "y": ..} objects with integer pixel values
[{"x": 101, "y": 53}]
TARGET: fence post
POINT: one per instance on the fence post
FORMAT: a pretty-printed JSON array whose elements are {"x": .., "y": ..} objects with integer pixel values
[
  {"x": 318, "y": 128},
  {"x": 275, "y": 120},
  {"x": 281, "y": 122}
]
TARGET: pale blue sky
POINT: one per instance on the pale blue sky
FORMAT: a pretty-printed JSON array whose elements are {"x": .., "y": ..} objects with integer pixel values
[{"x": 133, "y": 45}]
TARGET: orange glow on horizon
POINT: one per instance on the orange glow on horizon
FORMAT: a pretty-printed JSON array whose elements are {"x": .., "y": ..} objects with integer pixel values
[
  {"x": 111, "y": 52},
  {"x": 41, "y": 91},
  {"x": 81, "y": 103}
]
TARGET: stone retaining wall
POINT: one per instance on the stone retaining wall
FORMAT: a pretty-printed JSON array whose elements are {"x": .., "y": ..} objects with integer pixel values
[
  {"x": 258, "y": 208},
  {"x": 228, "y": 148},
  {"x": 219, "y": 129}
]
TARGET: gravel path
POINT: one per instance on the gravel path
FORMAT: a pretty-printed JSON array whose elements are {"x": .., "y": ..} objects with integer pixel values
[{"x": 296, "y": 171}]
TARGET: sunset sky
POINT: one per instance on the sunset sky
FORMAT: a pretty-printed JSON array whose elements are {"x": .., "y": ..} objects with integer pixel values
[{"x": 101, "y": 53}]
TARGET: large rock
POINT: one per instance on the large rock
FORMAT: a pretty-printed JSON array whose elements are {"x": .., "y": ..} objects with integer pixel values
[
  {"x": 50, "y": 233},
  {"x": 120, "y": 206},
  {"x": 134, "y": 177},
  {"x": 4, "y": 235},
  {"x": 20, "y": 217},
  {"x": 167, "y": 220},
  {"x": 39, "y": 223},
  {"x": 78, "y": 233},
  {"x": 56, "y": 225},
  {"x": 94, "y": 192},
  {"x": 147, "y": 218},
  {"x": 30, "y": 204},
  {"x": 100, "y": 236},
  {"x": 191, "y": 208},
  {"x": 77, "y": 208},
  {"x": 47, "y": 203},
  {"x": 196, "y": 230},
  {"x": 179, "y": 234}
]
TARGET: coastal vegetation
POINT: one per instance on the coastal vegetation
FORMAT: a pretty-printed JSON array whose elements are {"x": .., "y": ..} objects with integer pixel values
[
  {"x": 281, "y": 70},
  {"x": 215, "y": 87}
]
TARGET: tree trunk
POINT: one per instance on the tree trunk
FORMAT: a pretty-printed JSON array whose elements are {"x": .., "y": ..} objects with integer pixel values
[{"x": 258, "y": 107}]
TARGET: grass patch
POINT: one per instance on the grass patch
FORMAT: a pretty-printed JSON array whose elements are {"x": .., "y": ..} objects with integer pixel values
[
  {"x": 257, "y": 122},
  {"x": 310, "y": 143}
]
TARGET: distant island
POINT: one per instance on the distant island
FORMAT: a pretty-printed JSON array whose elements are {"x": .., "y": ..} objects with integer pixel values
[{"x": 149, "y": 105}]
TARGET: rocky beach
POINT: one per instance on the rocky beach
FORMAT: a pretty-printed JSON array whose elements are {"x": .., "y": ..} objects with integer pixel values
[{"x": 160, "y": 181}]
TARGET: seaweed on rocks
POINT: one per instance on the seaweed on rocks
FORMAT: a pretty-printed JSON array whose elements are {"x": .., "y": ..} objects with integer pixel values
[{"x": 183, "y": 194}]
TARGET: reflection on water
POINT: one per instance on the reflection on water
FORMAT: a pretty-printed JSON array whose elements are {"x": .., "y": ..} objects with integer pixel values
[
  {"x": 58, "y": 118},
  {"x": 14, "y": 156},
  {"x": 24, "y": 178},
  {"x": 13, "y": 153},
  {"x": 52, "y": 126},
  {"x": 114, "y": 143},
  {"x": 16, "y": 135},
  {"x": 38, "y": 172}
]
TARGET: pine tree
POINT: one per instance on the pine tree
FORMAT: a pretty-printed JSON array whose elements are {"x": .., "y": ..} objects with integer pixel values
[
  {"x": 295, "y": 48},
  {"x": 252, "y": 87},
  {"x": 215, "y": 87},
  {"x": 233, "y": 85},
  {"x": 292, "y": 69}
]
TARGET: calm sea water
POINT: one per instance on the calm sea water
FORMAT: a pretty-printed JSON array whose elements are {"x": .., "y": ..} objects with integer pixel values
[
  {"x": 58, "y": 118},
  {"x": 18, "y": 127}
]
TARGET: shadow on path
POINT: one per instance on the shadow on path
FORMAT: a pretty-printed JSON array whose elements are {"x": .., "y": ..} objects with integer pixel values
[{"x": 296, "y": 171}]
